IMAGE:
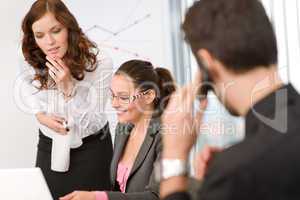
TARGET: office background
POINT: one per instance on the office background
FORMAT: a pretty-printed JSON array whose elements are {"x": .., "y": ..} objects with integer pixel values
[
  {"x": 123, "y": 29},
  {"x": 129, "y": 29}
]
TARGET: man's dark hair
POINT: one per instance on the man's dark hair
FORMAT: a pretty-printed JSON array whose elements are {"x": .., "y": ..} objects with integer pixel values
[{"x": 236, "y": 32}]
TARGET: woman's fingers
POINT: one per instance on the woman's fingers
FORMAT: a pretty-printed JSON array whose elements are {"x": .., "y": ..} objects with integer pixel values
[
  {"x": 68, "y": 196},
  {"x": 56, "y": 123},
  {"x": 52, "y": 73},
  {"x": 59, "y": 128},
  {"x": 53, "y": 122},
  {"x": 58, "y": 118},
  {"x": 60, "y": 73},
  {"x": 52, "y": 68},
  {"x": 54, "y": 64},
  {"x": 61, "y": 63}
]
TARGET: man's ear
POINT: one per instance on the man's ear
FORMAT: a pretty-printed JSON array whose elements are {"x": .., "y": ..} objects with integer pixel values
[
  {"x": 208, "y": 61},
  {"x": 150, "y": 96},
  {"x": 205, "y": 57}
]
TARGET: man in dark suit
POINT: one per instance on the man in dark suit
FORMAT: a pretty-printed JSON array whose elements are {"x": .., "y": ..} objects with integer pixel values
[{"x": 233, "y": 40}]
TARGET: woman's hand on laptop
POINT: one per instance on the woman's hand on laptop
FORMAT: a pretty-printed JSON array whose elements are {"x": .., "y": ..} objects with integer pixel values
[{"x": 79, "y": 195}]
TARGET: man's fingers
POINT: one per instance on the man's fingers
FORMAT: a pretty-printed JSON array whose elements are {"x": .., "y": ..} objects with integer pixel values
[
  {"x": 198, "y": 79},
  {"x": 208, "y": 151},
  {"x": 203, "y": 105},
  {"x": 215, "y": 149},
  {"x": 200, "y": 166},
  {"x": 197, "y": 83},
  {"x": 206, "y": 154},
  {"x": 186, "y": 98},
  {"x": 199, "y": 116}
]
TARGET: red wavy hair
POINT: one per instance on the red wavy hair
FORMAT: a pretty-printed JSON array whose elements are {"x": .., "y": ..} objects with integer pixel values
[{"x": 81, "y": 55}]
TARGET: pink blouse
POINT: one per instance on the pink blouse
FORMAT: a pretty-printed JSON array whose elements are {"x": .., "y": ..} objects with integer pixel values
[{"x": 122, "y": 177}]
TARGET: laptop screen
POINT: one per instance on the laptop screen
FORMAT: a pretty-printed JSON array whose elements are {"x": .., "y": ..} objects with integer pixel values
[{"x": 23, "y": 184}]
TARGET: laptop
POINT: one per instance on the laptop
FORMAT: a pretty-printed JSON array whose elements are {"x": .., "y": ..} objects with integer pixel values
[{"x": 23, "y": 184}]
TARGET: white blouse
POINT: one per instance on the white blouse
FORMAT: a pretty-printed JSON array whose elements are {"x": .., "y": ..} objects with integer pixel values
[{"x": 84, "y": 112}]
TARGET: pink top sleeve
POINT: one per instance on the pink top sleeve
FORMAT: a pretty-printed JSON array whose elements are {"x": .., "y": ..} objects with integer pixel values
[{"x": 122, "y": 177}]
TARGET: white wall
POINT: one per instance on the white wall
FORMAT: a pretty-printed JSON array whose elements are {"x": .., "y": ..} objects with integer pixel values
[
  {"x": 149, "y": 39},
  {"x": 17, "y": 144},
  {"x": 285, "y": 15}
]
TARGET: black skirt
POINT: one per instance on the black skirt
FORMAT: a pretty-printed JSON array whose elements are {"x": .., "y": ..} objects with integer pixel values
[{"x": 89, "y": 164}]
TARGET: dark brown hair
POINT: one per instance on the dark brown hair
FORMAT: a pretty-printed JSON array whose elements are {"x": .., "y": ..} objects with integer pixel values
[
  {"x": 236, "y": 32},
  {"x": 81, "y": 54},
  {"x": 146, "y": 77}
]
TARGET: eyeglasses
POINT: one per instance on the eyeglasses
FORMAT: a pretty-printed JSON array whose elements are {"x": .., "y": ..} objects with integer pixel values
[{"x": 126, "y": 99}]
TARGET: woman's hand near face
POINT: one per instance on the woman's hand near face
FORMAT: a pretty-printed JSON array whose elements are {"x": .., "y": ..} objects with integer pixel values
[
  {"x": 60, "y": 74},
  {"x": 53, "y": 122},
  {"x": 79, "y": 195}
]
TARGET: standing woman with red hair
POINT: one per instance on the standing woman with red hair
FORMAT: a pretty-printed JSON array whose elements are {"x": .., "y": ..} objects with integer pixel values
[{"x": 67, "y": 84}]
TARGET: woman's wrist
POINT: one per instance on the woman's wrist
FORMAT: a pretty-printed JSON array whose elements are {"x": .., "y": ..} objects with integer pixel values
[{"x": 101, "y": 195}]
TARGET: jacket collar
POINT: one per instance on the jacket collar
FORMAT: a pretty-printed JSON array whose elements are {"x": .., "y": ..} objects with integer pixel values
[
  {"x": 272, "y": 111},
  {"x": 122, "y": 134}
]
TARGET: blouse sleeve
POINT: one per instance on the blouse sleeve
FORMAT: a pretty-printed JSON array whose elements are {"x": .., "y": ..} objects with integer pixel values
[
  {"x": 86, "y": 110},
  {"x": 27, "y": 96}
]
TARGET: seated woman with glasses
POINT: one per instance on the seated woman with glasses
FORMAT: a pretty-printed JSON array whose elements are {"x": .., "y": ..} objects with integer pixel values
[{"x": 139, "y": 93}]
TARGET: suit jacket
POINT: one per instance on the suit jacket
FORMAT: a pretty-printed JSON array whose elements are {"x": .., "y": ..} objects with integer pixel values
[
  {"x": 140, "y": 183},
  {"x": 266, "y": 165}
]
